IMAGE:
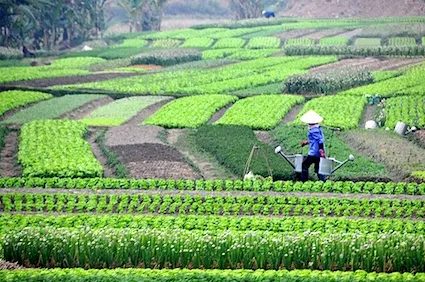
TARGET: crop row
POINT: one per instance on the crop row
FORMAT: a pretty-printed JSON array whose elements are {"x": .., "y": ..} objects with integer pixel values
[
  {"x": 398, "y": 51},
  {"x": 409, "y": 109},
  {"x": 52, "y": 108},
  {"x": 50, "y": 148},
  {"x": 345, "y": 187},
  {"x": 328, "y": 82},
  {"x": 185, "y": 275},
  {"x": 299, "y": 42},
  {"x": 191, "y": 111},
  {"x": 367, "y": 42},
  {"x": 166, "y": 43},
  {"x": 169, "y": 81},
  {"x": 167, "y": 57},
  {"x": 263, "y": 43},
  {"x": 10, "y": 223},
  {"x": 229, "y": 43},
  {"x": 10, "y": 100},
  {"x": 133, "y": 42},
  {"x": 260, "y": 112},
  {"x": 220, "y": 80},
  {"x": 341, "y": 111},
  {"x": 402, "y": 41},
  {"x": 393, "y": 86},
  {"x": 213, "y": 205},
  {"x": 336, "y": 41},
  {"x": 202, "y": 42},
  {"x": 165, "y": 248},
  {"x": 120, "y": 111}
]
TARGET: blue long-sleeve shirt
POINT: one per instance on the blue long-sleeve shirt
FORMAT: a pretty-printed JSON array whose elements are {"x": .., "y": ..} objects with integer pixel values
[{"x": 315, "y": 138}]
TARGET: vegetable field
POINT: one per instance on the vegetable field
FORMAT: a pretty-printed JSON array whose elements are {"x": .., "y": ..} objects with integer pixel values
[{"x": 152, "y": 157}]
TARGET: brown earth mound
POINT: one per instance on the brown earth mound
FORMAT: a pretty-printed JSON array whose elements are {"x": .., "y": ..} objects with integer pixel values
[{"x": 354, "y": 8}]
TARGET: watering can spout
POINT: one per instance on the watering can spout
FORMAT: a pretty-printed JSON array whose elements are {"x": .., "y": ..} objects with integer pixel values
[
  {"x": 278, "y": 149},
  {"x": 351, "y": 158}
]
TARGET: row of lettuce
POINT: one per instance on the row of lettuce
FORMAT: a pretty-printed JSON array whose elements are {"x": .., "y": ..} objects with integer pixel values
[
  {"x": 194, "y": 204},
  {"x": 180, "y": 275}
]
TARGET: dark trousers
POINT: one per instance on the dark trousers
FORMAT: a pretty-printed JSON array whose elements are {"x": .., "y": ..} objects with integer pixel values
[{"x": 306, "y": 165}]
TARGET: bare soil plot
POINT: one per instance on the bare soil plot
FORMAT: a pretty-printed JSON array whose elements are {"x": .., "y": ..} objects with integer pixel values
[
  {"x": 84, "y": 110},
  {"x": 130, "y": 135},
  {"x": 393, "y": 64},
  {"x": 152, "y": 160},
  {"x": 324, "y": 33},
  {"x": 9, "y": 166},
  {"x": 147, "y": 112},
  {"x": 47, "y": 82},
  {"x": 219, "y": 114}
]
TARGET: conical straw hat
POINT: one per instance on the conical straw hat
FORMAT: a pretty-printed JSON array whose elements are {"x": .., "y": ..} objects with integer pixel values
[{"x": 311, "y": 117}]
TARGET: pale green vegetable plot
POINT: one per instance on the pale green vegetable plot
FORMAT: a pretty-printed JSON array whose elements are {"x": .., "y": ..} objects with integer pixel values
[
  {"x": 260, "y": 112},
  {"x": 263, "y": 43},
  {"x": 12, "y": 99},
  {"x": 56, "y": 148},
  {"x": 189, "y": 111},
  {"x": 52, "y": 108},
  {"x": 408, "y": 109},
  {"x": 120, "y": 111},
  {"x": 337, "y": 111}
]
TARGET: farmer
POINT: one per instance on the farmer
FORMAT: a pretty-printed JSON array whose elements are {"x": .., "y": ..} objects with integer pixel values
[
  {"x": 316, "y": 140},
  {"x": 268, "y": 14}
]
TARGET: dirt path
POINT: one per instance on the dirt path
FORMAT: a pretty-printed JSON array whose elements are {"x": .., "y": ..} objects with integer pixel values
[
  {"x": 147, "y": 112},
  {"x": 368, "y": 114},
  {"x": 323, "y": 33},
  {"x": 208, "y": 167},
  {"x": 5, "y": 265},
  {"x": 292, "y": 114},
  {"x": 9, "y": 166},
  {"x": 204, "y": 193},
  {"x": 108, "y": 171},
  {"x": 219, "y": 114},
  {"x": 84, "y": 110},
  {"x": 361, "y": 62},
  {"x": 393, "y": 64},
  {"x": 47, "y": 82}
]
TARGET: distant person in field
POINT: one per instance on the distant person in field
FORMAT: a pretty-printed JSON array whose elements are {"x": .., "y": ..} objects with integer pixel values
[
  {"x": 316, "y": 140},
  {"x": 268, "y": 14}
]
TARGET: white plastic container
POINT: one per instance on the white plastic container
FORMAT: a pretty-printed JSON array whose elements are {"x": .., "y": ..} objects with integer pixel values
[{"x": 401, "y": 128}]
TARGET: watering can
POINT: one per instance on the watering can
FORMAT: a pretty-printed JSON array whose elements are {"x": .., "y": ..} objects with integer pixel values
[{"x": 326, "y": 167}]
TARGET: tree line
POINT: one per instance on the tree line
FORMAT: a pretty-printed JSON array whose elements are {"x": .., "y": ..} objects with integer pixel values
[{"x": 60, "y": 24}]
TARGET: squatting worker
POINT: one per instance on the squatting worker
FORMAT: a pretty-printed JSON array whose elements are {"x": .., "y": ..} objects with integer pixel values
[
  {"x": 316, "y": 140},
  {"x": 268, "y": 14}
]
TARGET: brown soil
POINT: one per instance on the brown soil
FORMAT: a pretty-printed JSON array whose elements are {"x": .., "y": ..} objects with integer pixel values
[
  {"x": 84, "y": 110},
  {"x": 350, "y": 34},
  {"x": 133, "y": 134},
  {"x": 354, "y": 8},
  {"x": 324, "y": 33},
  {"x": 5, "y": 265},
  {"x": 420, "y": 137},
  {"x": 393, "y": 64},
  {"x": 9, "y": 166},
  {"x": 153, "y": 160},
  {"x": 47, "y": 82},
  {"x": 292, "y": 114},
  {"x": 204, "y": 193},
  {"x": 295, "y": 33},
  {"x": 217, "y": 115},
  {"x": 147, "y": 112},
  {"x": 107, "y": 170},
  {"x": 148, "y": 152}
]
